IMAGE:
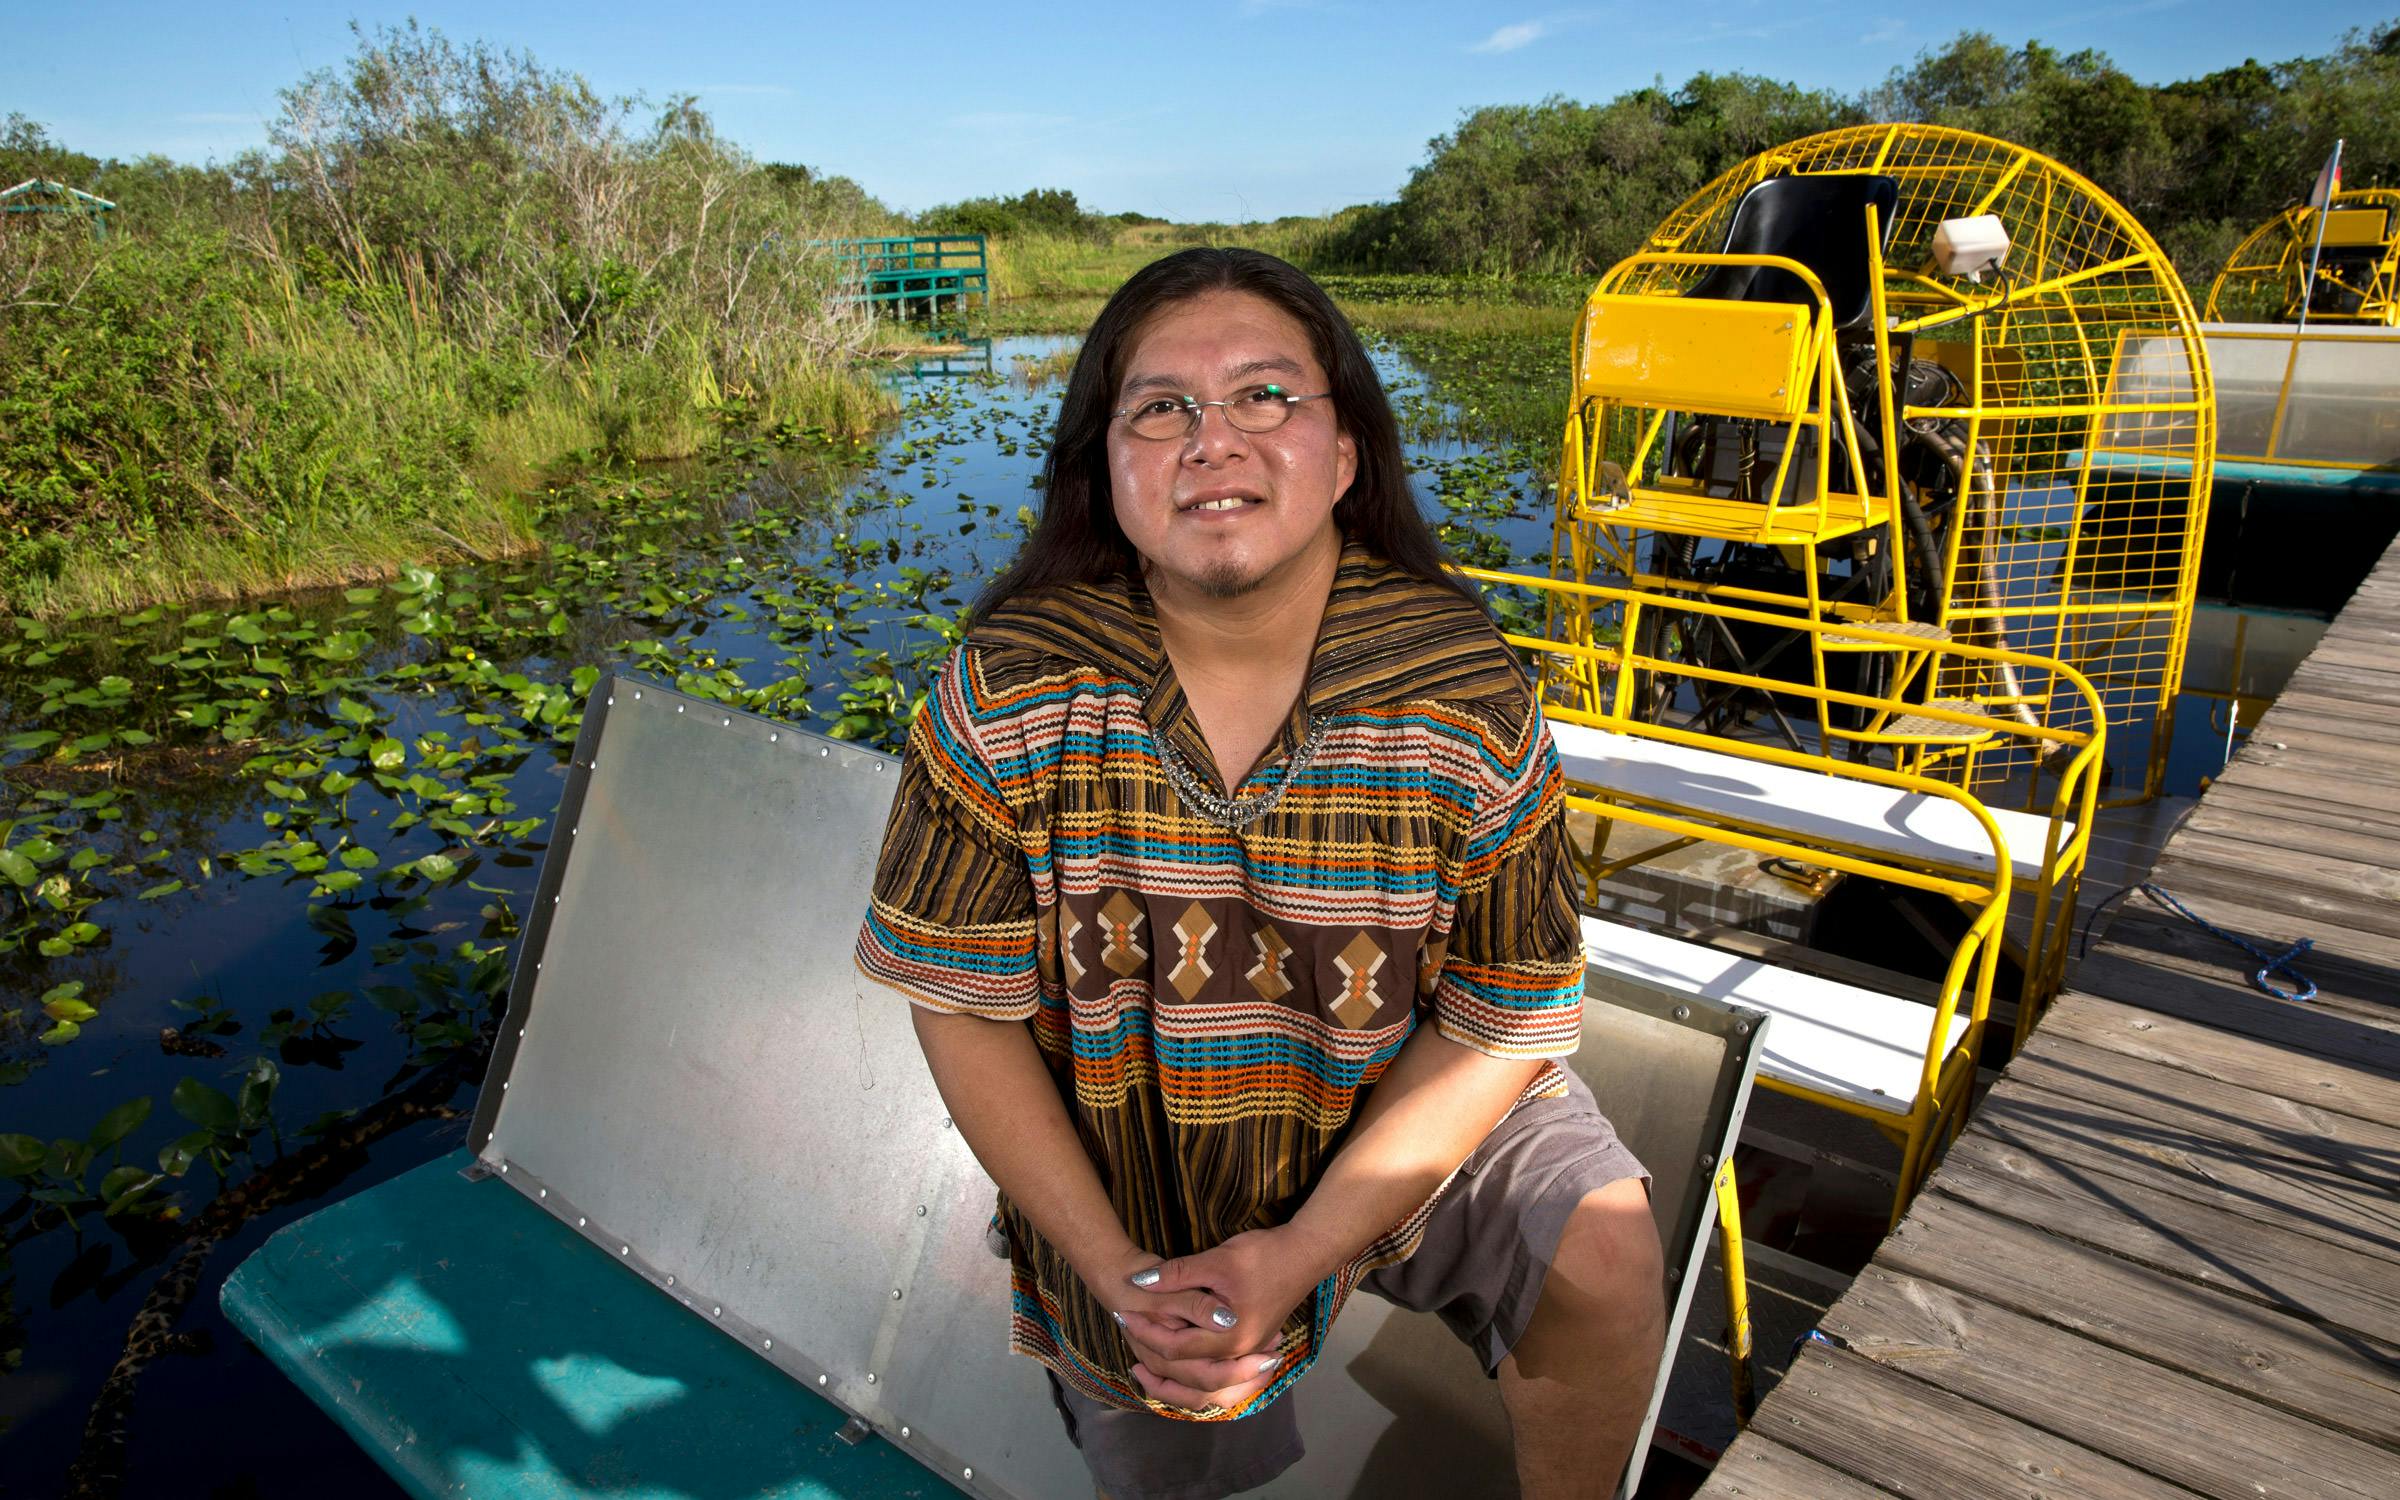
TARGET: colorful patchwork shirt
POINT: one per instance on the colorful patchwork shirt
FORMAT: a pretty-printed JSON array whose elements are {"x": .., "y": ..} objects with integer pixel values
[{"x": 1215, "y": 1005}]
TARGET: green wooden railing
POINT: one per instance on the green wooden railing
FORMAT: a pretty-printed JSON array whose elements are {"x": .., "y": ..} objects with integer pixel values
[{"x": 903, "y": 269}]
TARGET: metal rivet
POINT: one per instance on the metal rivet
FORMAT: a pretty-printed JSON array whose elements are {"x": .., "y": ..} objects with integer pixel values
[
  {"x": 1741, "y": 1028},
  {"x": 920, "y": 1210},
  {"x": 879, "y": 765},
  {"x": 679, "y": 707},
  {"x": 945, "y": 1122},
  {"x": 904, "y": 1429},
  {"x": 637, "y": 693},
  {"x": 1708, "y": 1158},
  {"x": 716, "y": 1312},
  {"x": 554, "y": 901},
  {"x": 729, "y": 723},
  {"x": 824, "y": 750},
  {"x": 544, "y": 1193},
  {"x": 579, "y": 1223},
  {"x": 772, "y": 738},
  {"x": 766, "y": 1344},
  {"x": 870, "y": 1377},
  {"x": 612, "y": 700},
  {"x": 504, "y": 1084},
  {"x": 895, "y": 1294},
  {"x": 670, "y": 1281},
  {"x": 1683, "y": 1012},
  {"x": 624, "y": 1249},
  {"x": 968, "y": 1473},
  {"x": 820, "y": 1380}
]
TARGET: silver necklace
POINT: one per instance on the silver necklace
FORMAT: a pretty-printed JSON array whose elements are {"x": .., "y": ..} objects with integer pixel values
[{"x": 1236, "y": 813}]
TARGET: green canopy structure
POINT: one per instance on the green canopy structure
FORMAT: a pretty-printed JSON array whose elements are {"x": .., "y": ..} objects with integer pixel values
[{"x": 39, "y": 195}]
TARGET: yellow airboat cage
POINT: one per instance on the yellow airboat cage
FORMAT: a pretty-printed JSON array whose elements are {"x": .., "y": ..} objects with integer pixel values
[
  {"x": 2358, "y": 267},
  {"x": 1726, "y": 408}
]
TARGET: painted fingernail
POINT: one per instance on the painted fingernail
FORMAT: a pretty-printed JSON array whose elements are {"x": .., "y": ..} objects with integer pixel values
[
  {"x": 1144, "y": 1278},
  {"x": 1268, "y": 1362},
  {"x": 1222, "y": 1316}
]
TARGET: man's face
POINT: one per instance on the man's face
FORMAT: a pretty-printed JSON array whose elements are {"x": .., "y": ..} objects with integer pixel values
[{"x": 1221, "y": 511}]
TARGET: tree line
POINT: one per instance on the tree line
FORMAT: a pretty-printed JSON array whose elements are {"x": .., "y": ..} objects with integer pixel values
[{"x": 1567, "y": 188}]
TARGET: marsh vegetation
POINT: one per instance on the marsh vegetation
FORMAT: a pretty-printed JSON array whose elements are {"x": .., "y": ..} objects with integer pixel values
[{"x": 333, "y": 479}]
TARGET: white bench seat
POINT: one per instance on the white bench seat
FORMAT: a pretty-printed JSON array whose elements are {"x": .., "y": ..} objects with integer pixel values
[
  {"x": 1809, "y": 805},
  {"x": 1828, "y": 1037}
]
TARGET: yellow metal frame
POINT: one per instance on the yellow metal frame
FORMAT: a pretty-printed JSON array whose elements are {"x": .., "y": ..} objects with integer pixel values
[
  {"x": 1737, "y": 1292},
  {"x": 1594, "y": 681},
  {"x": 2264, "y": 274},
  {"x": 2041, "y": 352}
]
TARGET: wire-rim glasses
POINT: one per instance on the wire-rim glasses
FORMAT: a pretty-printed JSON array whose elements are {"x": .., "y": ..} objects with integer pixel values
[{"x": 1259, "y": 408}]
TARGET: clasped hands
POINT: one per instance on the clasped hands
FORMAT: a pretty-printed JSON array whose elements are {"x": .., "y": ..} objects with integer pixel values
[{"x": 1207, "y": 1329}]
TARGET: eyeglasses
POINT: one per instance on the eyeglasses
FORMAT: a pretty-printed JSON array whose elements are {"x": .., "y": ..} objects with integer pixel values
[{"x": 1261, "y": 408}]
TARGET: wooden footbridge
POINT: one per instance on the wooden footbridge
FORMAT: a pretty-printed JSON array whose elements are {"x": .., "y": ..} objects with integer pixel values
[
  {"x": 906, "y": 271},
  {"x": 2164, "y": 1257}
]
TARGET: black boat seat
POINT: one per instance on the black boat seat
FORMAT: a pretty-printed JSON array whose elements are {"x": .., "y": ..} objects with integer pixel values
[{"x": 1819, "y": 220}]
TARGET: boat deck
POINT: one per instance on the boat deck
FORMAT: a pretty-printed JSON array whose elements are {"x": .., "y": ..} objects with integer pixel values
[{"x": 2163, "y": 1259}]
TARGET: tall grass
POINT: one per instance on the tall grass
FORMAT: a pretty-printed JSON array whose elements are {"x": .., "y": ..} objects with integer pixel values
[{"x": 456, "y": 273}]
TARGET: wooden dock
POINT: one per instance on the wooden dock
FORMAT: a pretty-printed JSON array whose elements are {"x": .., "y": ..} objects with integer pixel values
[{"x": 2164, "y": 1257}]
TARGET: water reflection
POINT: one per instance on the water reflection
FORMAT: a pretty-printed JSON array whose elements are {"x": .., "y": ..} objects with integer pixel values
[{"x": 288, "y": 817}]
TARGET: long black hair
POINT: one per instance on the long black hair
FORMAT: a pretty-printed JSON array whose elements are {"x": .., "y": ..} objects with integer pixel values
[{"x": 1078, "y": 539}]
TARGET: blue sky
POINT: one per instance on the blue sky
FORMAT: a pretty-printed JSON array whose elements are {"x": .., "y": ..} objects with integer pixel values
[{"x": 1221, "y": 109}]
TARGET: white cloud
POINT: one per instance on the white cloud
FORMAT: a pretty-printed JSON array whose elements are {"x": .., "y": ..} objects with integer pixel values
[{"x": 1510, "y": 38}]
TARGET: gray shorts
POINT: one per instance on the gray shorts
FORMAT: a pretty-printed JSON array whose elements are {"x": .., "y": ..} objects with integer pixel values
[{"x": 1480, "y": 1269}]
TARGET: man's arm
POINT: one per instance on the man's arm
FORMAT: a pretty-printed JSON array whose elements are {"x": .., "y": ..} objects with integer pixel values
[{"x": 1002, "y": 1098}]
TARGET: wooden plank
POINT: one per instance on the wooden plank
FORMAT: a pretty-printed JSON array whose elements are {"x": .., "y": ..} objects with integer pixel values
[
  {"x": 2212, "y": 1441},
  {"x": 2301, "y": 862},
  {"x": 2289, "y": 1130},
  {"x": 2209, "y": 991},
  {"x": 2236, "y": 800},
  {"x": 2052, "y": 1136},
  {"x": 2324, "y": 1067},
  {"x": 1920, "y": 1441},
  {"x": 2337, "y": 1379},
  {"x": 2291, "y": 1273},
  {"x": 2359, "y": 653},
  {"x": 2263, "y": 765},
  {"x": 2261, "y": 915},
  {"x": 2337, "y": 654},
  {"x": 2334, "y": 835},
  {"x": 1756, "y": 1468},
  {"x": 2264, "y": 899},
  {"x": 2308, "y": 715},
  {"x": 2357, "y": 989}
]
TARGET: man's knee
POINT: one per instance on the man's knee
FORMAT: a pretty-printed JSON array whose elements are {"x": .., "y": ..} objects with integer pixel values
[{"x": 1610, "y": 1252}]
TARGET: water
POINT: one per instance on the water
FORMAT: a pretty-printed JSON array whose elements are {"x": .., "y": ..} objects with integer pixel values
[
  {"x": 769, "y": 572},
  {"x": 829, "y": 584}
]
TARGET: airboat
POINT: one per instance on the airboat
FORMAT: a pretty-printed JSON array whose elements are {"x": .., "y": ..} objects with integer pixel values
[{"x": 1875, "y": 557}]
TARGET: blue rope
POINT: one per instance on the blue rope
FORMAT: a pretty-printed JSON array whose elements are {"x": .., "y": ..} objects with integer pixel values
[{"x": 2282, "y": 962}]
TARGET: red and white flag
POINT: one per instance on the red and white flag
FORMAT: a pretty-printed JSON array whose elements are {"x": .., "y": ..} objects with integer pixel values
[{"x": 2329, "y": 180}]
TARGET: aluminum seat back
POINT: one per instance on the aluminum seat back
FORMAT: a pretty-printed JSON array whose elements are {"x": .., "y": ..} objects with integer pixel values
[{"x": 694, "y": 1076}]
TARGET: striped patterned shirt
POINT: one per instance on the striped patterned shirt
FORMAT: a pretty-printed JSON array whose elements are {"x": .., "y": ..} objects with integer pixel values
[{"x": 1216, "y": 1005}]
